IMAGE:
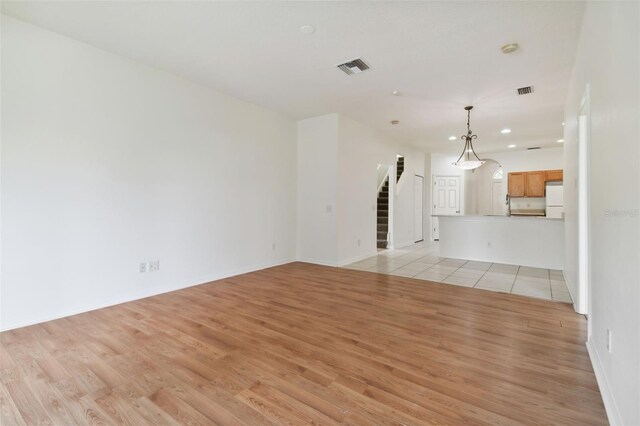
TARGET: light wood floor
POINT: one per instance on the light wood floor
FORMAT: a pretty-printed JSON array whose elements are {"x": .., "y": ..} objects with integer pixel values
[{"x": 305, "y": 344}]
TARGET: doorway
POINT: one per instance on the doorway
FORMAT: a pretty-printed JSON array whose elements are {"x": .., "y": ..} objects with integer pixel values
[
  {"x": 446, "y": 200},
  {"x": 497, "y": 198},
  {"x": 584, "y": 252},
  {"x": 497, "y": 193},
  {"x": 418, "y": 207}
]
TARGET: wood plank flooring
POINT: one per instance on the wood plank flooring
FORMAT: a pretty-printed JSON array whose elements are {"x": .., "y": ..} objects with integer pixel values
[{"x": 306, "y": 344}]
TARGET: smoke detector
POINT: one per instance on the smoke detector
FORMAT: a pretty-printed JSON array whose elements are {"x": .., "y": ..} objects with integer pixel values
[
  {"x": 307, "y": 29},
  {"x": 355, "y": 66}
]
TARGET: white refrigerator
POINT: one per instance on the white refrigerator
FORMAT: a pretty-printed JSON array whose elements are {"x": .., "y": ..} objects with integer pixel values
[{"x": 555, "y": 201}]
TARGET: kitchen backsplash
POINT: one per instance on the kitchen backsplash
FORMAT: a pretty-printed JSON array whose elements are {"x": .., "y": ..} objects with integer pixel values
[{"x": 533, "y": 203}]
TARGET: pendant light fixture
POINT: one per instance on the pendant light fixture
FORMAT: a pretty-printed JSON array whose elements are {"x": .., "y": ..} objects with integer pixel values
[{"x": 466, "y": 160}]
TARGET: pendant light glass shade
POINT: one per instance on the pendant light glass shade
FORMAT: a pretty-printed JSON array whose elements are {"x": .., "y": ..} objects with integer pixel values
[
  {"x": 467, "y": 161},
  {"x": 469, "y": 164}
]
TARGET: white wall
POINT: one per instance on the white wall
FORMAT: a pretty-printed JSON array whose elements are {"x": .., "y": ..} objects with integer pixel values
[
  {"x": 107, "y": 163},
  {"x": 318, "y": 190},
  {"x": 515, "y": 161},
  {"x": 608, "y": 60}
]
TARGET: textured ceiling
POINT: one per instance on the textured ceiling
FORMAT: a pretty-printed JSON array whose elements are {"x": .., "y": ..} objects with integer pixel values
[{"x": 441, "y": 56}]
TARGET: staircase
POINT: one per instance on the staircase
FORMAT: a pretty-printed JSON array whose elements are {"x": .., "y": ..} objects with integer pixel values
[
  {"x": 383, "y": 215},
  {"x": 399, "y": 167}
]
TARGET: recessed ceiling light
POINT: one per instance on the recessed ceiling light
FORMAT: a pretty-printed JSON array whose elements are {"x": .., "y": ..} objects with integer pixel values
[
  {"x": 560, "y": 140},
  {"x": 563, "y": 123},
  {"x": 394, "y": 122},
  {"x": 307, "y": 29},
  {"x": 396, "y": 93},
  {"x": 505, "y": 131},
  {"x": 511, "y": 146},
  {"x": 452, "y": 138},
  {"x": 509, "y": 48}
]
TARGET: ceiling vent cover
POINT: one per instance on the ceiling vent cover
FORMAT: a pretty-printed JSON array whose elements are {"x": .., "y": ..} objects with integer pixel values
[
  {"x": 355, "y": 66},
  {"x": 525, "y": 90}
]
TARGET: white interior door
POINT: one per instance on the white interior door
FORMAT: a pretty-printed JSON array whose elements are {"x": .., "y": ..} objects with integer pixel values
[
  {"x": 418, "y": 207},
  {"x": 446, "y": 195},
  {"x": 497, "y": 198},
  {"x": 446, "y": 199}
]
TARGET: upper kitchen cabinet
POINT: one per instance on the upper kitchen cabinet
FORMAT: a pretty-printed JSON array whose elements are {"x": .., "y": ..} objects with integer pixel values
[
  {"x": 531, "y": 184},
  {"x": 554, "y": 175},
  {"x": 534, "y": 184},
  {"x": 516, "y": 185}
]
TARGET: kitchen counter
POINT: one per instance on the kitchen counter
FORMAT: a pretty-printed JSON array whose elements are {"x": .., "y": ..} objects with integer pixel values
[
  {"x": 503, "y": 217},
  {"x": 498, "y": 217},
  {"x": 536, "y": 241}
]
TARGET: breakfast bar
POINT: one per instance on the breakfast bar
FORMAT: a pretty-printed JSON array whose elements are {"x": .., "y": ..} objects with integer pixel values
[{"x": 518, "y": 240}]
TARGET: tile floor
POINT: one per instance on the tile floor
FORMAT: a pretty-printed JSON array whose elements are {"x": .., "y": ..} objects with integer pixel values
[{"x": 422, "y": 262}]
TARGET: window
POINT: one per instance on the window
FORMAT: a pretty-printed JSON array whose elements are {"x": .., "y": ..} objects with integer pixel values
[{"x": 498, "y": 174}]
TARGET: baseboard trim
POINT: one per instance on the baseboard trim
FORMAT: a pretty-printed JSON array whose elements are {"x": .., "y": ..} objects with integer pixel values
[
  {"x": 317, "y": 262},
  {"x": 574, "y": 297},
  {"x": 357, "y": 258},
  {"x": 130, "y": 297},
  {"x": 605, "y": 390},
  {"x": 404, "y": 244}
]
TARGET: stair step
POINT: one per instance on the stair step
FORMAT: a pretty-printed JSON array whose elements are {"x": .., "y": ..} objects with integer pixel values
[{"x": 382, "y": 245}]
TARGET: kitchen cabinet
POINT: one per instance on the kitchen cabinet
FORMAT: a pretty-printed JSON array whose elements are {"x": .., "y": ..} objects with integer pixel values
[
  {"x": 516, "y": 185},
  {"x": 531, "y": 184},
  {"x": 534, "y": 184},
  {"x": 554, "y": 175}
]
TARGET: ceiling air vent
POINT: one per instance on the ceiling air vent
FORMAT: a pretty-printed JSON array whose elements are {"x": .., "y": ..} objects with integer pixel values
[
  {"x": 525, "y": 90},
  {"x": 355, "y": 66},
  {"x": 533, "y": 147}
]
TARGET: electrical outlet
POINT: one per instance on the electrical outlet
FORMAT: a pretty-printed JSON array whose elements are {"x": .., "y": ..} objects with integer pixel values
[
  {"x": 609, "y": 341},
  {"x": 154, "y": 266},
  {"x": 143, "y": 267},
  {"x": 329, "y": 208},
  {"x": 488, "y": 243},
  {"x": 273, "y": 246},
  {"x": 358, "y": 242}
]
